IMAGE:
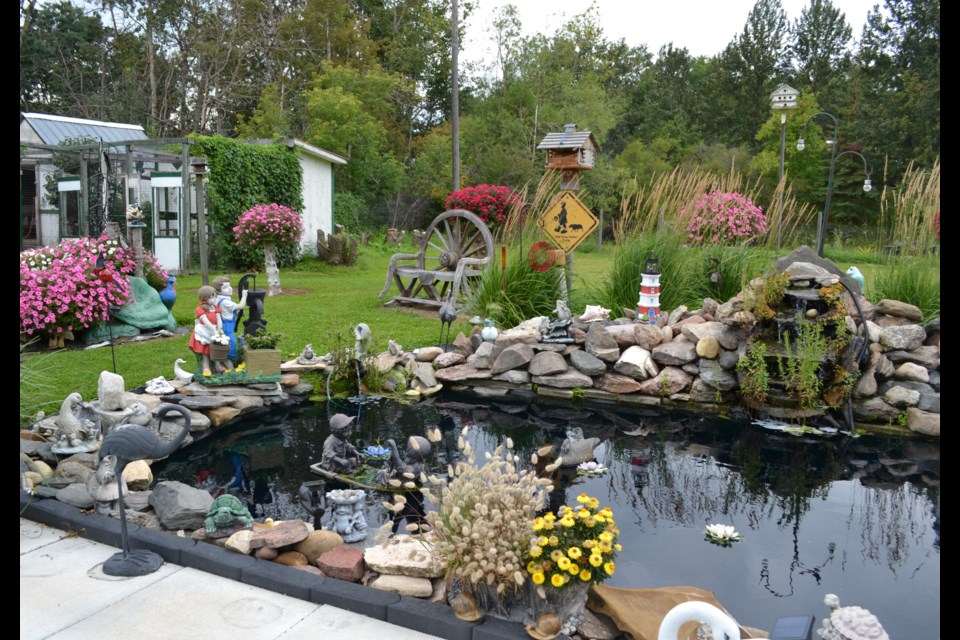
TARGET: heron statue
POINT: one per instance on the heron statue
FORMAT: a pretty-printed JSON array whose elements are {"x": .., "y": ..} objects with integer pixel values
[
  {"x": 448, "y": 313},
  {"x": 130, "y": 442}
]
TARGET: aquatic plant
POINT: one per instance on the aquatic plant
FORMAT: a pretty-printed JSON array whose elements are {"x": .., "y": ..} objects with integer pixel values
[{"x": 723, "y": 535}]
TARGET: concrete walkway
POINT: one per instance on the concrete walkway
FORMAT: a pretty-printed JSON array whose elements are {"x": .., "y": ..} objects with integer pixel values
[{"x": 64, "y": 594}]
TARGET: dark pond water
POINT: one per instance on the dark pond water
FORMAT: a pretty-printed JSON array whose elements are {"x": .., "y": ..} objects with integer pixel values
[{"x": 856, "y": 517}]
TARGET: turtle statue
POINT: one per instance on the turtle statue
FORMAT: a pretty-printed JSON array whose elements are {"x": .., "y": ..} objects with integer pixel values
[
  {"x": 849, "y": 623},
  {"x": 226, "y": 516}
]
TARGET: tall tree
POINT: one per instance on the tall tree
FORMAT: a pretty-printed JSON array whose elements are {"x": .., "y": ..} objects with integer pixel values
[{"x": 821, "y": 37}]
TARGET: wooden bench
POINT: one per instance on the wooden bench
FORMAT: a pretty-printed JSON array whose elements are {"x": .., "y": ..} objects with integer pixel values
[{"x": 456, "y": 249}]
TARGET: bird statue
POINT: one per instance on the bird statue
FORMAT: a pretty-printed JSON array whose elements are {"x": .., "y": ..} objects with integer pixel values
[
  {"x": 169, "y": 294},
  {"x": 448, "y": 313},
  {"x": 854, "y": 273},
  {"x": 72, "y": 431},
  {"x": 722, "y": 626},
  {"x": 180, "y": 374},
  {"x": 130, "y": 442}
]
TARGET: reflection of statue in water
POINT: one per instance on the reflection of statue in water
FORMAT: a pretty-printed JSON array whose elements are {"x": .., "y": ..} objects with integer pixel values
[
  {"x": 339, "y": 456},
  {"x": 558, "y": 330},
  {"x": 408, "y": 469}
]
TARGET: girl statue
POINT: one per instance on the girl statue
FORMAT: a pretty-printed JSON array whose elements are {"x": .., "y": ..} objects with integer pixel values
[
  {"x": 228, "y": 312},
  {"x": 208, "y": 322}
]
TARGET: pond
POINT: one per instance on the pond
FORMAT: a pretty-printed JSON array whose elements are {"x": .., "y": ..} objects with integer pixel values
[{"x": 859, "y": 517}]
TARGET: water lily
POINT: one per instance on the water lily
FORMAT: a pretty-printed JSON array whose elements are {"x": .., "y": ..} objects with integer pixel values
[
  {"x": 721, "y": 534},
  {"x": 376, "y": 451},
  {"x": 591, "y": 468}
]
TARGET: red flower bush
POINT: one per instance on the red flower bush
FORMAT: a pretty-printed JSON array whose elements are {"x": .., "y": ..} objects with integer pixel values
[
  {"x": 491, "y": 203},
  {"x": 273, "y": 223},
  {"x": 723, "y": 218}
]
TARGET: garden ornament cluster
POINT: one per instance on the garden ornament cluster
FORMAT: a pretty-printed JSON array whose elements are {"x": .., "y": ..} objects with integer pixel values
[
  {"x": 75, "y": 432},
  {"x": 558, "y": 330}
]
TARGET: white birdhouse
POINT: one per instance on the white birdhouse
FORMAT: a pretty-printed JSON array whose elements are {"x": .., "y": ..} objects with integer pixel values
[{"x": 784, "y": 97}]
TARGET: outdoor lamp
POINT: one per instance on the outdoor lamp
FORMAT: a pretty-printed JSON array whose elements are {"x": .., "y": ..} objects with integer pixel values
[
  {"x": 867, "y": 186},
  {"x": 801, "y": 145},
  {"x": 652, "y": 265}
]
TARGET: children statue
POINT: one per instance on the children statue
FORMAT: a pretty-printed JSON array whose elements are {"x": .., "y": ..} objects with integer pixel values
[
  {"x": 339, "y": 456},
  {"x": 207, "y": 324}
]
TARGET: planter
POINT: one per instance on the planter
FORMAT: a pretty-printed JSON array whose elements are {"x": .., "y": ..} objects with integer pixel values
[
  {"x": 262, "y": 362},
  {"x": 219, "y": 351}
]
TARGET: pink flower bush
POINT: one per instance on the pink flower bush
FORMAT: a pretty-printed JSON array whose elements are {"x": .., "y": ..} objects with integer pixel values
[
  {"x": 723, "y": 218},
  {"x": 490, "y": 203},
  {"x": 268, "y": 223},
  {"x": 60, "y": 291}
]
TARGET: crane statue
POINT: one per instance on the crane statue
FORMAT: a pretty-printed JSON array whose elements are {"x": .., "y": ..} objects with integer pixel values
[
  {"x": 722, "y": 626},
  {"x": 448, "y": 313},
  {"x": 131, "y": 442}
]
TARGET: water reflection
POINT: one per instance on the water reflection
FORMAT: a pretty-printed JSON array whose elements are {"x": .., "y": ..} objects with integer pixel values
[{"x": 859, "y": 518}]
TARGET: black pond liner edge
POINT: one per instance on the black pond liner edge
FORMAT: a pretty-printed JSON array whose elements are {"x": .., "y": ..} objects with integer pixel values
[{"x": 411, "y": 613}]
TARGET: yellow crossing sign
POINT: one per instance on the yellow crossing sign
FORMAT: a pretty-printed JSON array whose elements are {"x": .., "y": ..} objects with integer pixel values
[{"x": 567, "y": 221}]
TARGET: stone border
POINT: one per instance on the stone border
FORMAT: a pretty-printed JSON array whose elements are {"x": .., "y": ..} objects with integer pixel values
[{"x": 411, "y": 613}]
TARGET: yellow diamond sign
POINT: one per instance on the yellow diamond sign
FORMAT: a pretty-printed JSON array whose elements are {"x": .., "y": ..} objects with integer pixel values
[{"x": 567, "y": 221}]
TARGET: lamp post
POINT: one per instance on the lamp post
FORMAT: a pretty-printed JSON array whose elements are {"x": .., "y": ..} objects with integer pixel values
[
  {"x": 832, "y": 143},
  {"x": 867, "y": 186},
  {"x": 783, "y": 99}
]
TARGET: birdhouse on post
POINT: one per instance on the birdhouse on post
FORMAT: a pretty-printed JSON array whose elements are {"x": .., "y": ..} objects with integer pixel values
[
  {"x": 570, "y": 152},
  {"x": 783, "y": 97}
]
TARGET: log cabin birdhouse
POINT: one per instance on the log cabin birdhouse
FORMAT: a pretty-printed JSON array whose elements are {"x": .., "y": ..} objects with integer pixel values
[{"x": 570, "y": 152}]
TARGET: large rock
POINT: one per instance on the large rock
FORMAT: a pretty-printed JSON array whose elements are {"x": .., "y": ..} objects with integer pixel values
[
  {"x": 587, "y": 364},
  {"x": 449, "y": 359},
  {"x": 461, "y": 372},
  {"x": 342, "y": 563},
  {"x": 318, "y": 543},
  {"x": 483, "y": 357},
  {"x": 291, "y": 559},
  {"x": 648, "y": 336},
  {"x": 713, "y": 374},
  {"x": 406, "y": 556},
  {"x": 875, "y": 409},
  {"x": 547, "y": 363},
  {"x": 111, "y": 391},
  {"x": 614, "y": 383},
  {"x": 514, "y": 376},
  {"x": 923, "y": 422},
  {"x": 899, "y": 309},
  {"x": 806, "y": 254},
  {"x": 624, "y": 334},
  {"x": 571, "y": 379},
  {"x": 901, "y": 397},
  {"x": 403, "y": 585},
  {"x": 926, "y": 356},
  {"x": 428, "y": 354},
  {"x": 180, "y": 506},
  {"x": 708, "y": 348},
  {"x": 911, "y": 371},
  {"x": 513, "y": 357},
  {"x": 144, "y": 310},
  {"x": 636, "y": 363},
  {"x": 76, "y": 495},
  {"x": 675, "y": 353},
  {"x": 728, "y": 337},
  {"x": 669, "y": 381},
  {"x": 601, "y": 344},
  {"x": 903, "y": 337}
]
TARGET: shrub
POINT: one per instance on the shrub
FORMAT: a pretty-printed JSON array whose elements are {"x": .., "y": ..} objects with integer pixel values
[
  {"x": 268, "y": 223},
  {"x": 723, "y": 218},
  {"x": 489, "y": 202}
]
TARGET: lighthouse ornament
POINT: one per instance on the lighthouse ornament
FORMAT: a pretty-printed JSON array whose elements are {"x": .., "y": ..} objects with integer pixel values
[{"x": 648, "y": 308}]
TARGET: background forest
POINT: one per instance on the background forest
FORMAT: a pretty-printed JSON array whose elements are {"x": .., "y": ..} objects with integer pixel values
[{"x": 371, "y": 80}]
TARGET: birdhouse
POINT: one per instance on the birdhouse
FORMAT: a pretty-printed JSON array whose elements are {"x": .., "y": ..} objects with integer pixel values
[
  {"x": 784, "y": 97},
  {"x": 570, "y": 149}
]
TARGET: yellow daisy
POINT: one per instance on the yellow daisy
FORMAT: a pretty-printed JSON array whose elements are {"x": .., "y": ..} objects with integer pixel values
[
  {"x": 609, "y": 568},
  {"x": 585, "y": 575},
  {"x": 583, "y": 498},
  {"x": 538, "y": 577},
  {"x": 574, "y": 552},
  {"x": 556, "y": 554},
  {"x": 573, "y": 569},
  {"x": 596, "y": 559},
  {"x": 556, "y": 580},
  {"x": 542, "y": 541},
  {"x": 535, "y": 552},
  {"x": 564, "y": 563}
]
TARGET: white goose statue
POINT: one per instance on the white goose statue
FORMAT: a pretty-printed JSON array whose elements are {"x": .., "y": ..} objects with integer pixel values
[
  {"x": 179, "y": 373},
  {"x": 722, "y": 625}
]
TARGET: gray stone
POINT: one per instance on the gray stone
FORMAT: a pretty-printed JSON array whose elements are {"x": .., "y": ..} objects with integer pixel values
[
  {"x": 463, "y": 344},
  {"x": 692, "y": 368},
  {"x": 866, "y": 385},
  {"x": 76, "y": 495},
  {"x": 204, "y": 403},
  {"x": 929, "y": 402},
  {"x": 405, "y": 556},
  {"x": 935, "y": 380},
  {"x": 689, "y": 320},
  {"x": 926, "y": 356},
  {"x": 449, "y": 359},
  {"x": 482, "y": 358},
  {"x": 636, "y": 363},
  {"x": 281, "y": 534},
  {"x": 428, "y": 354},
  {"x": 601, "y": 344},
  {"x": 806, "y": 254},
  {"x": 884, "y": 321},
  {"x": 180, "y": 506},
  {"x": 491, "y": 392},
  {"x": 648, "y": 336},
  {"x": 553, "y": 346},
  {"x": 728, "y": 337},
  {"x": 710, "y": 306},
  {"x": 676, "y": 315},
  {"x": 461, "y": 372},
  {"x": 513, "y": 357},
  {"x": 901, "y": 397},
  {"x": 923, "y": 422},
  {"x": 403, "y": 585},
  {"x": 424, "y": 373},
  {"x": 624, "y": 334},
  {"x": 666, "y": 334},
  {"x": 547, "y": 363},
  {"x": 911, "y": 371},
  {"x": 712, "y": 374},
  {"x": 244, "y": 403},
  {"x": 873, "y": 331},
  {"x": 597, "y": 626},
  {"x": 884, "y": 368},
  {"x": 875, "y": 409},
  {"x": 675, "y": 353},
  {"x": 899, "y": 309},
  {"x": 514, "y": 376},
  {"x": 708, "y": 348},
  {"x": 586, "y": 363},
  {"x": 919, "y": 387},
  {"x": 385, "y": 361},
  {"x": 111, "y": 392},
  {"x": 700, "y": 391},
  {"x": 76, "y": 469},
  {"x": 728, "y": 360},
  {"x": 905, "y": 337},
  {"x": 568, "y": 380},
  {"x": 615, "y": 383},
  {"x": 669, "y": 381},
  {"x": 803, "y": 274}
]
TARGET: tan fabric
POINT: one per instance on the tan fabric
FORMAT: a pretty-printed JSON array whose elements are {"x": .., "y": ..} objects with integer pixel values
[{"x": 640, "y": 611}]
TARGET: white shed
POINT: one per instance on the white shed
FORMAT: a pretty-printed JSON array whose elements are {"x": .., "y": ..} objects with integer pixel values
[{"x": 316, "y": 166}]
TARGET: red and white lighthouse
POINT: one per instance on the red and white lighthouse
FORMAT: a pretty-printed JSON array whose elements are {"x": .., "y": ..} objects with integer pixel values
[{"x": 648, "y": 308}]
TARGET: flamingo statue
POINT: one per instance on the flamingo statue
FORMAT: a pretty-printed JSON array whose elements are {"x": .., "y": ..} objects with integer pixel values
[
  {"x": 722, "y": 625},
  {"x": 130, "y": 442}
]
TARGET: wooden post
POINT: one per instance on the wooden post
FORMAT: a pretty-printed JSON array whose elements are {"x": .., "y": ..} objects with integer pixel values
[
  {"x": 84, "y": 227},
  {"x": 202, "y": 224},
  {"x": 600, "y": 233},
  {"x": 185, "y": 202},
  {"x": 136, "y": 241}
]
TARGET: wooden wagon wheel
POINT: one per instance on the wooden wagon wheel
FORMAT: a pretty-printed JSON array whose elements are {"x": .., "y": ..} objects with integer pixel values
[{"x": 452, "y": 237}]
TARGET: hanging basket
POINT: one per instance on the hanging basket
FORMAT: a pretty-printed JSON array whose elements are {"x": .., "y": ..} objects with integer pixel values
[{"x": 219, "y": 351}]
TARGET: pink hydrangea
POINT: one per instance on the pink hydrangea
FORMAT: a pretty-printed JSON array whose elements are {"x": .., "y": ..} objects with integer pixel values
[
  {"x": 723, "y": 218},
  {"x": 490, "y": 203},
  {"x": 265, "y": 223}
]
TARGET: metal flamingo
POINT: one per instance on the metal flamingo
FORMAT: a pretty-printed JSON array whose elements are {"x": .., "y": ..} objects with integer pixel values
[
  {"x": 131, "y": 442},
  {"x": 448, "y": 313}
]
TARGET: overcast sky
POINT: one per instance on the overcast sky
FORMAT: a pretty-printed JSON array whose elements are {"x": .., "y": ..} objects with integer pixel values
[{"x": 704, "y": 27}]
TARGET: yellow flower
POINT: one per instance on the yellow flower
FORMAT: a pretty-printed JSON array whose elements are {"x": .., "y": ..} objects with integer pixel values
[
  {"x": 549, "y": 517},
  {"x": 535, "y": 552},
  {"x": 538, "y": 578},
  {"x": 554, "y": 541},
  {"x": 583, "y": 514},
  {"x": 556, "y": 554},
  {"x": 596, "y": 559},
  {"x": 606, "y": 546},
  {"x": 618, "y": 547},
  {"x": 241, "y": 367},
  {"x": 207, "y": 374},
  {"x": 229, "y": 371},
  {"x": 606, "y": 535},
  {"x": 593, "y": 504},
  {"x": 573, "y": 569},
  {"x": 574, "y": 552},
  {"x": 548, "y": 525},
  {"x": 588, "y": 543},
  {"x": 556, "y": 580},
  {"x": 563, "y": 562},
  {"x": 531, "y": 566},
  {"x": 542, "y": 541},
  {"x": 609, "y": 568},
  {"x": 583, "y": 498},
  {"x": 590, "y": 522},
  {"x": 585, "y": 575},
  {"x": 568, "y": 522},
  {"x": 538, "y": 524}
]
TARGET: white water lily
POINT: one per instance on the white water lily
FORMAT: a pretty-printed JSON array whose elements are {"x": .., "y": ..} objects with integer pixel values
[
  {"x": 722, "y": 534},
  {"x": 591, "y": 468}
]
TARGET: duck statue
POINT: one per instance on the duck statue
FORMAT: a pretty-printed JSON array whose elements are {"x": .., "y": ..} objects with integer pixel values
[
  {"x": 169, "y": 294},
  {"x": 183, "y": 376}
]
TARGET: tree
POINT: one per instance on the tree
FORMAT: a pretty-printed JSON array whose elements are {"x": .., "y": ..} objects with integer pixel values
[{"x": 821, "y": 35}]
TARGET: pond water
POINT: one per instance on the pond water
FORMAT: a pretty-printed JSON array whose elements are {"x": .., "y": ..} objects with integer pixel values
[{"x": 856, "y": 517}]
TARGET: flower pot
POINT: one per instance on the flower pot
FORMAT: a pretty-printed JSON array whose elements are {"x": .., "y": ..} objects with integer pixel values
[
  {"x": 219, "y": 351},
  {"x": 262, "y": 362}
]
